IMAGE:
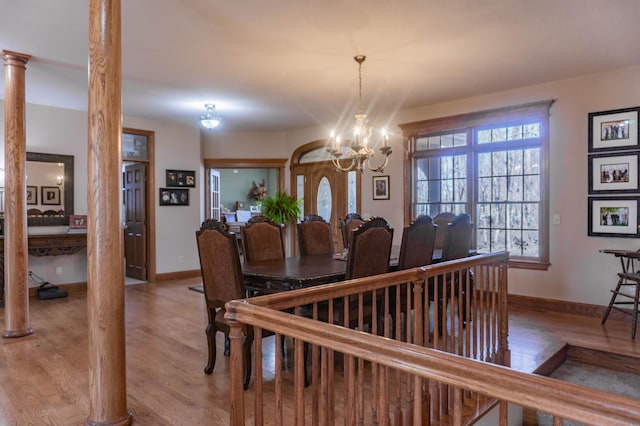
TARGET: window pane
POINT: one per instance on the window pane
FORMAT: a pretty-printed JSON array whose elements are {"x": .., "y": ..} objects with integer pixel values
[
  {"x": 484, "y": 189},
  {"x": 352, "y": 191},
  {"x": 499, "y": 164},
  {"x": 483, "y": 219},
  {"x": 530, "y": 216},
  {"x": 422, "y": 191},
  {"x": 532, "y": 161},
  {"x": 434, "y": 142},
  {"x": 447, "y": 167},
  {"x": 421, "y": 169},
  {"x": 531, "y": 131},
  {"x": 498, "y": 240},
  {"x": 531, "y": 243},
  {"x": 499, "y": 135},
  {"x": 460, "y": 139},
  {"x": 484, "y": 164},
  {"x": 514, "y": 216},
  {"x": 483, "y": 240},
  {"x": 532, "y": 188},
  {"x": 446, "y": 141},
  {"x": 460, "y": 166},
  {"x": 514, "y": 133},
  {"x": 447, "y": 191},
  {"x": 422, "y": 144},
  {"x": 515, "y": 188},
  {"x": 515, "y": 162},
  {"x": 484, "y": 136},
  {"x": 324, "y": 199},
  {"x": 498, "y": 216},
  {"x": 499, "y": 189},
  {"x": 460, "y": 187}
]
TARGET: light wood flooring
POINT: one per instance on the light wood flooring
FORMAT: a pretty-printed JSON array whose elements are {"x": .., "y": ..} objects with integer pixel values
[{"x": 44, "y": 377}]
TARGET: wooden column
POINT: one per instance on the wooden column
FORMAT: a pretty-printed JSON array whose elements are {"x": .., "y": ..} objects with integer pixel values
[
  {"x": 105, "y": 264},
  {"x": 16, "y": 300}
]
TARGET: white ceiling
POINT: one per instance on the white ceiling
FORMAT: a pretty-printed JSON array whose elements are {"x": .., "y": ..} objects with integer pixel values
[{"x": 282, "y": 64}]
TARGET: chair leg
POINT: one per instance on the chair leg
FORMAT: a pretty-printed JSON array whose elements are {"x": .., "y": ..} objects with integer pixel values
[
  {"x": 248, "y": 342},
  {"x": 612, "y": 301},
  {"x": 211, "y": 343},
  {"x": 227, "y": 345}
]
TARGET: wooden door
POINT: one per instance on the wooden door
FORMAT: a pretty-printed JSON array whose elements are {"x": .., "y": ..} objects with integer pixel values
[
  {"x": 135, "y": 239},
  {"x": 322, "y": 178}
]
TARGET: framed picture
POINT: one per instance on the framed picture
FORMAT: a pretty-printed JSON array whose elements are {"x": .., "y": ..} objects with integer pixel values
[
  {"x": 50, "y": 195},
  {"x": 380, "y": 187},
  {"x": 32, "y": 195},
  {"x": 613, "y": 173},
  {"x": 185, "y": 178},
  {"x": 174, "y": 197},
  {"x": 613, "y": 217},
  {"x": 613, "y": 130},
  {"x": 254, "y": 209},
  {"x": 78, "y": 221}
]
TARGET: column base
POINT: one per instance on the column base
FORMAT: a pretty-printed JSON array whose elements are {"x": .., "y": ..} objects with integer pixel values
[
  {"x": 125, "y": 420},
  {"x": 10, "y": 334}
]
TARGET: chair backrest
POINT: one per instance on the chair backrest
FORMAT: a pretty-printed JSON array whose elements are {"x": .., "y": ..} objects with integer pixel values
[
  {"x": 416, "y": 248},
  {"x": 441, "y": 220},
  {"x": 314, "y": 236},
  {"x": 348, "y": 224},
  {"x": 457, "y": 242},
  {"x": 262, "y": 239},
  {"x": 219, "y": 263},
  {"x": 370, "y": 249}
]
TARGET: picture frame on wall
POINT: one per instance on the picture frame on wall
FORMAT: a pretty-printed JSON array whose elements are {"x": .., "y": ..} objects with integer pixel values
[
  {"x": 174, "y": 197},
  {"x": 181, "y": 178},
  {"x": 613, "y": 217},
  {"x": 50, "y": 195},
  {"x": 613, "y": 130},
  {"x": 613, "y": 173},
  {"x": 32, "y": 195},
  {"x": 380, "y": 187}
]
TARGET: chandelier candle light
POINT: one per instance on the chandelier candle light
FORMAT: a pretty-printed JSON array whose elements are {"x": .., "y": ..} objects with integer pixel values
[{"x": 358, "y": 149}]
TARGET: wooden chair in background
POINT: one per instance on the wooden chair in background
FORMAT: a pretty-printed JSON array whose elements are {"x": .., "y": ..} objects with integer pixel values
[
  {"x": 441, "y": 220},
  {"x": 348, "y": 224},
  {"x": 418, "y": 239},
  {"x": 314, "y": 236},
  {"x": 222, "y": 282},
  {"x": 262, "y": 239}
]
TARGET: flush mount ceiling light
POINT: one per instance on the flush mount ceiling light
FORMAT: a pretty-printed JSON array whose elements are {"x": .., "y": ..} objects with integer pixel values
[
  {"x": 210, "y": 118},
  {"x": 358, "y": 148}
]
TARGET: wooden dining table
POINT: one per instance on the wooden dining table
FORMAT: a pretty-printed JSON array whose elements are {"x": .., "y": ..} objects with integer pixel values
[{"x": 299, "y": 271}]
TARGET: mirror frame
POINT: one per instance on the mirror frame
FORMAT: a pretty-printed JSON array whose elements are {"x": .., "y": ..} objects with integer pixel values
[{"x": 67, "y": 160}]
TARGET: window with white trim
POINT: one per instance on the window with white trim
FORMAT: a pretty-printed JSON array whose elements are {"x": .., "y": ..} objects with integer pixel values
[{"x": 491, "y": 165}]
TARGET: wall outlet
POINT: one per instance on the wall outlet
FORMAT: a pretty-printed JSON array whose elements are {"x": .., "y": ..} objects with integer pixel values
[
  {"x": 180, "y": 260},
  {"x": 556, "y": 219},
  {"x": 58, "y": 270}
]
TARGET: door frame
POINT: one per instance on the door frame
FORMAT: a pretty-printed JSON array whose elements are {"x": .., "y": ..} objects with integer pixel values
[{"x": 150, "y": 197}]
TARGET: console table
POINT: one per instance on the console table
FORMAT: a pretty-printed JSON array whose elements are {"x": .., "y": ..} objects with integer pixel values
[{"x": 45, "y": 245}]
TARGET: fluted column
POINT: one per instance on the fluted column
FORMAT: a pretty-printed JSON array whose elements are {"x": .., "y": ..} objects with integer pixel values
[
  {"x": 105, "y": 264},
  {"x": 16, "y": 300}
]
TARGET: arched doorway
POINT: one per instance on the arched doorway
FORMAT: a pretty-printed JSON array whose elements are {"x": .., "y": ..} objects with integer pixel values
[{"x": 325, "y": 191}]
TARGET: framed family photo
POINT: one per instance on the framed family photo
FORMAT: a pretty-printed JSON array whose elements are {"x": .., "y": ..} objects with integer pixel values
[
  {"x": 380, "y": 187},
  {"x": 174, "y": 197},
  {"x": 613, "y": 130},
  {"x": 610, "y": 173},
  {"x": 32, "y": 195},
  {"x": 50, "y": 195},
  {"x": 613, "y": 217},
  {"x": 184, "y": 178}
]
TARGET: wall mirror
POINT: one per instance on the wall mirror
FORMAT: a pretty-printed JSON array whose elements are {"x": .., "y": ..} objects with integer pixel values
[{"x": 49, "y": 189}]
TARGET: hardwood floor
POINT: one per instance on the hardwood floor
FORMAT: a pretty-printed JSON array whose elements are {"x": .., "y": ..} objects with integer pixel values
[{"x": 44, "y": 377}]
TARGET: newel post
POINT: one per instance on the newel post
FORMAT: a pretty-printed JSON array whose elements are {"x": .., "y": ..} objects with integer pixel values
[
  {"x": 503, "y": 300},
  {"x": 237, "y": 367}
]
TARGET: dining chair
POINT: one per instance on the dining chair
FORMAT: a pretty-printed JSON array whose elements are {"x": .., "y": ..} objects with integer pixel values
[
  {"x": 441, "y": 220},
  {"x": 457, "y": 244},
  {"x": 222, "y": 282},
  {"x": 368, "y": 255},
  {"x": 314, "y": 236},
  {"x": 416, "y": 249},
  {"x": 350, "y": 222},
  {"x": 262, "y": 240}
]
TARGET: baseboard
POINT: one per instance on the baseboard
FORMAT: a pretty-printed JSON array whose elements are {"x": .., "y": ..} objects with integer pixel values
[
  {"x": 563, "y": 306},
  {"x": 178, "y": 275},
  {"x": 610, "y": 360}
]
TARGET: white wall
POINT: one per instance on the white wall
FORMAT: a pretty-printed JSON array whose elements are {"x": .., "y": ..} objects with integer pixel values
[{"x": 60, "y": 131}]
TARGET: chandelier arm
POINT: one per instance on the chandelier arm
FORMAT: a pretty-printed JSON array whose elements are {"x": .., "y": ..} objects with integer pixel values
[
  {"x": 340, "y": 168},
  {"x": 379, "y": 169}
]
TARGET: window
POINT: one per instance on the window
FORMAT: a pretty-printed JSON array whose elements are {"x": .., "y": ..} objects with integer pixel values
[{"x": 492, "y": 165}]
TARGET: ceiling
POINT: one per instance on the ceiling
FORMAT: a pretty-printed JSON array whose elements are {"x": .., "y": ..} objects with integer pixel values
[{"x": 284, "y": 64}]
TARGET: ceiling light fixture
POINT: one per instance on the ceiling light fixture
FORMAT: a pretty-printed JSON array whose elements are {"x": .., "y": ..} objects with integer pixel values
[
  {"x": 210, "y": 118},
  {"x": 358, "y": 149}
]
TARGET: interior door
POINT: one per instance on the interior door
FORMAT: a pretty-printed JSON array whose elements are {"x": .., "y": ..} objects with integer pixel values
[
  {"x": 325, "y": 190},
  {"x": 135, "y": 236}
]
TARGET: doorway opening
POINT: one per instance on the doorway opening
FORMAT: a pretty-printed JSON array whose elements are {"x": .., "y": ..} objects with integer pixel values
[{"x": 138, "y": 200}]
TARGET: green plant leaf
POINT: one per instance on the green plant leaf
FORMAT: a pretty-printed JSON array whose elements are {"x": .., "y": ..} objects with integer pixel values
[{"x": 281, "y": 208}]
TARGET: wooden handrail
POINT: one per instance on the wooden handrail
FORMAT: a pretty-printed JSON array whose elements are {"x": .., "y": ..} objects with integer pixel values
[{"x": 425, "y": 378}]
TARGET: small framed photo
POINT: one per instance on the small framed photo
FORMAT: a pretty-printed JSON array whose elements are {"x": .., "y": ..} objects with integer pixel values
[
  {"x": 50, "y": 195},
  {"x": 613, "y": 130},
  {"x": 610, "y": 173},
  {"x": 174, "y": 197},
  {"x": 613, "y": 217},
  {"x": 78, "y": 221},
  {"x": 254, "y": 209},
  {"x": 181, "y": 178},
  {"x": 380, "y": 187},
  {"x": 32, "y": 195}
]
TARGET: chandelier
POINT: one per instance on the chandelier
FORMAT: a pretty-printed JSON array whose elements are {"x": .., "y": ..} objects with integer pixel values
[
  {"x": 210, "y": 118},
  {"x": 359, "y": 149}
]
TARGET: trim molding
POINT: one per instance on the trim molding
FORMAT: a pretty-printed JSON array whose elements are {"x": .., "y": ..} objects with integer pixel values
[
  {"x": 178, "y": 275},
  {"x": 70, "y": 287},
  {"x": 564, "y": 306}
]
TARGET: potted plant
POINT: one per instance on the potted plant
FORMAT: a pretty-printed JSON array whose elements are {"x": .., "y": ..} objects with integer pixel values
[{"x": 281, "y": 208}]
